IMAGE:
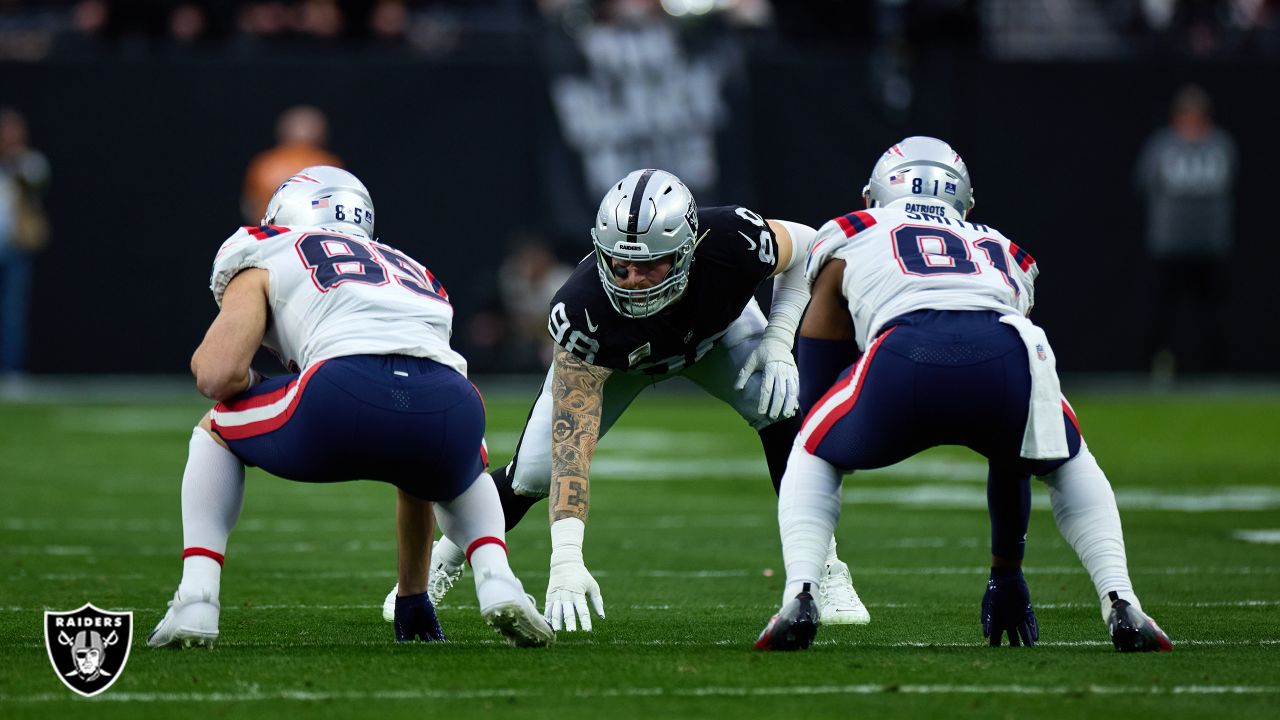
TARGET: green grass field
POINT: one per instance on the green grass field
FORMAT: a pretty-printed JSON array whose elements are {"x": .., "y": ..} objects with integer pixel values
[{"x": 683, "y": 539}]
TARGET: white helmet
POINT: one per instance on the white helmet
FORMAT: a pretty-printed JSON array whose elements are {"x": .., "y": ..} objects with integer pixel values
[
  {"x": 647, "y": 215},
  {"x": 921, "y": 174},
  {"x": 322, "y": 195}
]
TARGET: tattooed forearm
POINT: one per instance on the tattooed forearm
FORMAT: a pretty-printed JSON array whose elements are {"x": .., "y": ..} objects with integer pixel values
[{"x": 577, "y": 394}]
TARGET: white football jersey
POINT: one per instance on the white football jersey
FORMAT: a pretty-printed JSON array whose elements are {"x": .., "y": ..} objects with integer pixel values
[
  {"x": 898, "y": 261},
  {"x": 334, "y": 293}
]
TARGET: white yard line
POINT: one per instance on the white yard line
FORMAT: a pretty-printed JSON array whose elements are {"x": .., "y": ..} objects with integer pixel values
[{"x": 255, "y": 694}]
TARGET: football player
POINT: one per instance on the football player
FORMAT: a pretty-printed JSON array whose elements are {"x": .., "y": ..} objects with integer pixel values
[
  {"x": 374, "y": 392},
  {"x": 937, "y": 305},
  {"x": 667, "y": 291}
]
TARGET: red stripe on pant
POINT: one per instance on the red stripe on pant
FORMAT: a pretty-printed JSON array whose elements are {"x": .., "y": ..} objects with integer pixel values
[
  {"x": 1071, "y": 415},
  {"x": 859, "y": 375},
  {"x": 266, "y": 425}
]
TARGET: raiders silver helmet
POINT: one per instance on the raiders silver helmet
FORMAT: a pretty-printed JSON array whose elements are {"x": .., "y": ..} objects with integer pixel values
[
  {"x": 322, "y": 195},
  {"x": 921, "y": 174},
  {"x": 646, "y": 216}
]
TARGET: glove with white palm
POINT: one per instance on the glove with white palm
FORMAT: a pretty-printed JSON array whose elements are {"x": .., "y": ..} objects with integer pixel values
[
  {"x": 570, "y": 584},
  {"x": 780, "y": 379}
]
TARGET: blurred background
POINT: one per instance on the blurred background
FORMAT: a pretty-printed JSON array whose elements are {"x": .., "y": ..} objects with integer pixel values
[{"x": 1129, "y": 145}]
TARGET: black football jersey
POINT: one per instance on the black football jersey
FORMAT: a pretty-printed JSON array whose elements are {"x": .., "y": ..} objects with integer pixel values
[{"x": 736, "y": 252}]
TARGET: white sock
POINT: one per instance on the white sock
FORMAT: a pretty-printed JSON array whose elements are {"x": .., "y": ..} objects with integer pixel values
[
  {"x": 473, "y": 515},
  {"x": 212, "y": 497},
  {"x": 831, "y": 553},
  {"x": 808, "y": 509},
  {"x": 448, "y": 553},
  {"x": 1084, "y": 507}
]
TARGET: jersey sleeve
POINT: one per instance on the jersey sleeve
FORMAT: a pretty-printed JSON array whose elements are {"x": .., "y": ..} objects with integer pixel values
[
  {"x": 572, "y": 325},
  {"x": 738, "y": 239},
  {"x": 1025, "y": 271},
  {"x": 242, "y": 250},
  {"x": 833, "y": 236}
]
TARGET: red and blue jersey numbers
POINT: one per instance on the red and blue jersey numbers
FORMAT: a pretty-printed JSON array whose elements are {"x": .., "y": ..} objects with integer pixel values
[
  {"x": 338, "y": 259},
  {"x": 925, "y": 250}
]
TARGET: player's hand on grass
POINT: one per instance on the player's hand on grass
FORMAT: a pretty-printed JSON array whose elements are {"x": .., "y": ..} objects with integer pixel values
[
  {"x": 570, "y": 585},
  {"x": 1006, "y": 609},
  {"x": 567, "y": 592},
  {"x": 779, "y": 381}
]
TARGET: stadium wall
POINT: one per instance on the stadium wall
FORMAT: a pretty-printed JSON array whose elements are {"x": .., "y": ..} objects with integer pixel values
[{"x": 148, "y": 161}]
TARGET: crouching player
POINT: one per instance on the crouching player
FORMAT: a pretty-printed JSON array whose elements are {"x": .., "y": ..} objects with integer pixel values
[
  {"x": 938, "y": 307},
  {"x": 375, "y": 393}
]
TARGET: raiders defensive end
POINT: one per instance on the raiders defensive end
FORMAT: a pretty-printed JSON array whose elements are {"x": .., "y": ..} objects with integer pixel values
[{"x": 669, "y": 290}]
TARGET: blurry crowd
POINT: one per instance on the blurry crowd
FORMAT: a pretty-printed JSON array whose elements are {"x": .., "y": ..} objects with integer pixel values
[{"x": 38, "y": 29}]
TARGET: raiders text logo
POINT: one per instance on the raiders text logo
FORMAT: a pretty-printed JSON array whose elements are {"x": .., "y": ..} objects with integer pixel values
[{"x": 88, "y": 647}]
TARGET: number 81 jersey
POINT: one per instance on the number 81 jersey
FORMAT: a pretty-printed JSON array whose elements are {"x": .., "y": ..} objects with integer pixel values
[
  {"x": 898, "y": 261},
  {"x": 335, "y": 293}
]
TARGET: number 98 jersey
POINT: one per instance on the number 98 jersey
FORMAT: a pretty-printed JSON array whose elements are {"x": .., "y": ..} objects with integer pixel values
[
  {"x": 334, "y": 294},
  {"x": 898, "y": 261}
]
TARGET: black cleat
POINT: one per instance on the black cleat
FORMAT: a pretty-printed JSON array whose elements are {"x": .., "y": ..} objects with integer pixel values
[
  {"x": 416, "y": 620},
  {"x": 1132, "y": 631},
  {"x": 795, "y": 625}
]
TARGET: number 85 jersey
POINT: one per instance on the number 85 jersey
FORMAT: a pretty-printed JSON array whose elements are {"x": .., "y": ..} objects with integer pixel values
[
  {"x": 335, "y": 293},
  {"x": 898, "y": 261}
]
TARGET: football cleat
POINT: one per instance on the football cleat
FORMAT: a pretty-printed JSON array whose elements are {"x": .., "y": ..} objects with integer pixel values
[
  {"x": 389, "y": 604},
  {"x": 794, "y": 627},
  {"x": 416, "y": 620},
  {"x": 1006, "y": 608},
  {"x": 191, "y": 621},
  {"x": 443, "y": 574},
  {"x": 513, "y": 613},
  {"x": 838, "y": 602},
  {"x": 1132, "y": 631}
]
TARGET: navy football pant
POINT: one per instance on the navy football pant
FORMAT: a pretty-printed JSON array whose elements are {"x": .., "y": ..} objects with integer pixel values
[
  {"x": 933, "y": 378},
  {"x": 411, "y": 422}
]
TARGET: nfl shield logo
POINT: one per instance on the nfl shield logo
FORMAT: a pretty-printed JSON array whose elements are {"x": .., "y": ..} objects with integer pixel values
[
  {"x": 1040, "y": 353},
  {"x": 88, "y": 647}
]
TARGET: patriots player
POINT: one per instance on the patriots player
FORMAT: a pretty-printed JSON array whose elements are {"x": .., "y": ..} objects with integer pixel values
[
  {"x": 374, "y": 392},
  {"x": 937, "y": 305},
  {"x": 668, "y": 291}
]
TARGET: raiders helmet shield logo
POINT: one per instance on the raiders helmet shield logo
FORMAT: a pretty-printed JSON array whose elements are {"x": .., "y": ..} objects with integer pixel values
[{"x": 88, "y": 647}]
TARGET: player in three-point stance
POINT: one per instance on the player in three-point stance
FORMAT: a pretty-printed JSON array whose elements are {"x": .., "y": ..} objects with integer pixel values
[
  {"x": 937, "y": 306},
  {"x": 668, "y": 291},
  {"x": 375, "y": 392}
]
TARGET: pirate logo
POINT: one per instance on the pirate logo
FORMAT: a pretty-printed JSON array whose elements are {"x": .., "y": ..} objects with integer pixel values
[{"x": 88, "y": 647}]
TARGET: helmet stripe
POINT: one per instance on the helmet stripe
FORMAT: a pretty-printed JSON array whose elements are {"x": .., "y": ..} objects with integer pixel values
[{"x": 633, "y": 216}]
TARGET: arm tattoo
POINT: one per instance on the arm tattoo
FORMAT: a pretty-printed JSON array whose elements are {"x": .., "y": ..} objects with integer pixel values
[{"x": 577, "y": 395}]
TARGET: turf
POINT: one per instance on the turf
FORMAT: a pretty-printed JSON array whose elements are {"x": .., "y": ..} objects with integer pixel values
[{"x": 683, "y": 539}]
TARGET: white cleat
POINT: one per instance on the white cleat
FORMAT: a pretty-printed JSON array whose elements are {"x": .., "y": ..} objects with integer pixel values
[
  {"x": 192, "y": 620},
  {"x": 389, "y": 604},
  {"x": 509, "y": 610},
  {"x": 443, "y": 575},
  {"x": 838, "y": 602}
]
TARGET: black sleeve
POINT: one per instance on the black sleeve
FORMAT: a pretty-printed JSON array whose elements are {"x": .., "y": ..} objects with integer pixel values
[{"x": 738, "y": 239}]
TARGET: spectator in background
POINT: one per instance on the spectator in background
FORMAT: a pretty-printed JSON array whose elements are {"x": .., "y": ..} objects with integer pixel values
[
  {"x": 1186, "y": 171},
  {"x": 531, "y": 275},
  {"x": 302, "y": 132},
  {"x": 24, "y": 231}
]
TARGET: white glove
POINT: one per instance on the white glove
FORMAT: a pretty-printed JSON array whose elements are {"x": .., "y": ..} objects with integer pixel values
[
  {"x": 780, "y": 381},
  {"x": 570, "y": 584}
]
